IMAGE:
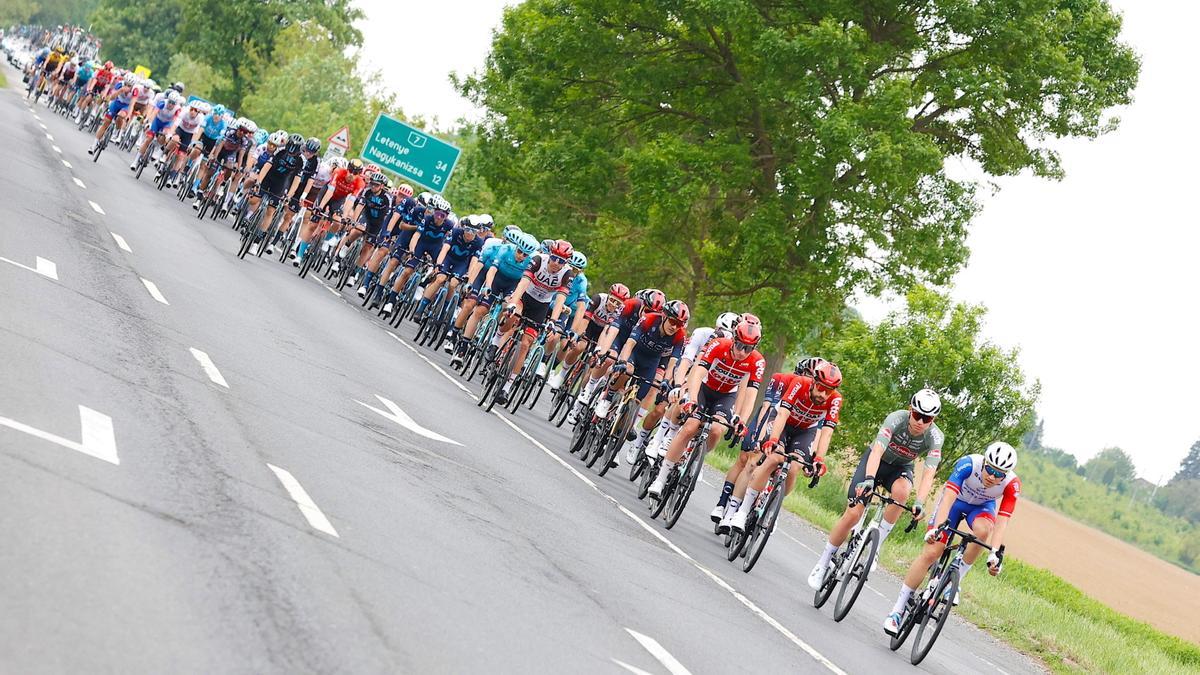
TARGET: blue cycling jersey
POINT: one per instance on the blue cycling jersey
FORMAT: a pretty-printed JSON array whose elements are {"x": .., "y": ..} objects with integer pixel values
[
  {"x": 503, "y": 257},
  {"x": 215, "y": 126},
  {"x": 460, "y": 248},
  {"x": 578, "y": 292},
  {"x": 430, "y": 230},
  {"x": 84, "y": 74}
]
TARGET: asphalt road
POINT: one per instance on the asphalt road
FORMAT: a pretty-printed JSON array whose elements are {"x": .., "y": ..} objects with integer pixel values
[{"x": 262, "y": 515}]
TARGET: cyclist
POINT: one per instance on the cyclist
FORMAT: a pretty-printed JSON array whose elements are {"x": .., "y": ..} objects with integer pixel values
[
  {"x": 165, "y": 111},
  {"x": 372, "y": 210},
  {"x": 645, "y": 301},
  {"x": 83, "y": 79},
  {"x": 278, "y": 180},
  {"x": 212, "y": 133},
  {"x": 461, "y": 247},
  {"x": 98, "y": 85},
  {"x": 813, "y": 406},
  {"x": 538, "y": 296},
  {"x": 727, "y": 367},
  {"x": 904, "y": 438},
  {"x": 230, "y": 153},
  {"x": 394, "y": 248},
  {"x": 972, "y": 491},
  {"x": 125, "y": 92},
  {"x": 186, "y": 127},
  {"x": 600, "y": 316},
  {"x": 426, "y": 241},
  {"x": 575, "y": 319},
  {"x": 502, "y": 266}
]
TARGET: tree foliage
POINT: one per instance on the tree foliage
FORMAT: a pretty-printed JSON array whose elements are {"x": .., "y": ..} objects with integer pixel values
[
  {"x": 332, "y": 92},
  {"x": 138, "y": 33},
  {"x": 781, "y": 156},
  {"x": 237, "y": 37},
  {"x": 1180, "y": 498},
  {"x": 47, "y": 13},
  {"x": 1112, "y": 467},
  {"x": 1189, "y": 468},
  {"x": 932, "y": 343},
  {"x": 200, "y": 78}
]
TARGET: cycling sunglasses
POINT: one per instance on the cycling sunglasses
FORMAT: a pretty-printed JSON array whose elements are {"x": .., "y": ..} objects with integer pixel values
[
  {"x": 439, "y": 212},
  {"x": 742, "y": 346},
  {"x": 558, "y": 259},
  {"x": 922, "y": 418},
  {"x": 993, "y": 471}
]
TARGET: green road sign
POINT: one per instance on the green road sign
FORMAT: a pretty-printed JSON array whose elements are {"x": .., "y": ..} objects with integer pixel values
[{"x": 411, "y": 153}]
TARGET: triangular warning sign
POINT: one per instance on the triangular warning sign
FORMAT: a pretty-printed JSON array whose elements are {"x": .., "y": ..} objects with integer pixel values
[{"x": 341, "y": 139}]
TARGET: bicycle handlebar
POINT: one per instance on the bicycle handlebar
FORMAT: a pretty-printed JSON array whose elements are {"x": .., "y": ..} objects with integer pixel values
[{"x": 967, "y": 538}]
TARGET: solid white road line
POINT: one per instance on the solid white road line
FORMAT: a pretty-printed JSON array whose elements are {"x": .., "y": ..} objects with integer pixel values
[
  {"x": 154, "y": 292},
  {"x": 721, "y": 583},
  {"x": 57, "y": 149},
  {"x": 78, "y": 182},
  {"x": 656, "y": 650},
  {"x": 96, "y": 207},
  {"x": 67, "y": 164},
  {"x": 96, "y": 435},
  {"x": 798, "y": 541},
  {"x": 395, "y": 414},
  {"x": 44, "y": 267},
  {"x": 121, "y": 242},
  {"x": 209, "y": 367},
  {"x": 312, "y": 514}
]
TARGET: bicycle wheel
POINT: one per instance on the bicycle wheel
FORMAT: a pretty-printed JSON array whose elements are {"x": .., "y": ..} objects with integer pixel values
[
  {"x": 763, "y": 529},
  {"x": 910, "y": 618},
  {"x": 736, "y": 540},
  {"x": 617, "y": 438},
  {"x": 939, "y": 613},
  {"x": 683, "y": 491},
  {"x": 856, "y": 576},
  {"x": 821, "y": 595}
]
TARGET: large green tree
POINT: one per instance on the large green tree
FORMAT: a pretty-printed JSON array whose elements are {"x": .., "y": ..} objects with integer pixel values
[
  {"x": 47, "y": 13},
  {"x": 781, "y": 156},
  {"x": 138, "y": 33},
  {"x": 1111, "y": 466},
  {"x": 314, "y": 88},
  {"x": 935, "y": 343},
  {"x": 237, "y": 37},
  {"x": 1189, "y": 468}
]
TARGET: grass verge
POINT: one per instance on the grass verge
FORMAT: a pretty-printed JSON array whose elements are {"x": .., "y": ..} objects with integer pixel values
[{"x": 1028, "y": 607}]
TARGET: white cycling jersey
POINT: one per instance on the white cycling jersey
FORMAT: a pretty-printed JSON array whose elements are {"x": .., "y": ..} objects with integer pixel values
[{"x": 700, "y": 337}]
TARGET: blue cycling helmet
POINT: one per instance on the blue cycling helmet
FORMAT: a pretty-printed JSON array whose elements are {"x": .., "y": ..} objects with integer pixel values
[
  {"x": 511, "y": 232},
  {"x": 578, "y": 260},
  {"x": 260, "y": 136},
  {"x": 526, "y": 243},
  {"x": 218, "y": 110},
  {"x": 547, "y": 244}
]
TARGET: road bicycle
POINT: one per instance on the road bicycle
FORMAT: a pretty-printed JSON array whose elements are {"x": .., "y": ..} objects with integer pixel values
[
  {"x": 682, "y": 480},
  {"x": 750, "y": 541}
]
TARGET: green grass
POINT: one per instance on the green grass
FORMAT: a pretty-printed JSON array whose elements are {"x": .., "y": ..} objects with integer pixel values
[
  {"x": 3, "y": 81},
  {"x": 1030, "y": 608}
]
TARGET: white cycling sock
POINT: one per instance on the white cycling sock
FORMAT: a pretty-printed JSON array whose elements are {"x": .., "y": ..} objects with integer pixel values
[
  {"x": 643, "y": 438},
  {"x": 496, "y": 339},
  {"x": 590, "y": 387},
  {"x": 748, "y": 500},
  {"x": 667, "y": 467},
  {"x": 642, "y": 412},
  {"x": 885, "y": 528},
  {"x": 963, "y": 568},
  {"x": 732, "y": 505},
  {"x": 905, "y": 594},
  {"x": 830, "y": 549}
]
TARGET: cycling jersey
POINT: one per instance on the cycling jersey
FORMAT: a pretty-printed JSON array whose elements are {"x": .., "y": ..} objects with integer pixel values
[
  {"x": 725, "y": 372},
  {"x": 321, "y": 178},
  {"x": 102, "y": 78},
  {"x": 699, "y": 338},
  {"x": 377, "y": 207},
  {"x": 67, "y": 73},
  {"x": 504, "y": 258},
  {"x": 166, "y": 111},
  {"x": 346, "y": 184},
  {"x": 461, "y": 249},
  {"x": 143, "y": 95},
  {"x": 966, "y": 481},
  {"x": 776, "y": 387},
  {"x": 432, "y": 231},
  {"x": 901, "y": 447},
  {"x": 578, "y": 291},
  {"x": 544, "y": 282},
  {"x": 215, "y": 126},
  {"x": 84, "y": 75},
  {"x": 649, "y": 339},
  {"x": 803, "y": 412},
  {"x": 597, "y": 311},
  {"x": 125, "y": 93},
  {"x": 309, "y": 167},
  {"x": 284, "y": 167}
]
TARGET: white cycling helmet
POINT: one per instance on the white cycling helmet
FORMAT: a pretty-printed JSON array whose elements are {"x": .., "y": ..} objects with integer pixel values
[
  {"x": 727, "y": 320},
  {"x": 1001, "y": 455},
  {"x": 926, "y": 402},
  {"x": 485, "y": 220},
  {"x": 278, "y": 138},
  {"x": 338, "y": 162}
]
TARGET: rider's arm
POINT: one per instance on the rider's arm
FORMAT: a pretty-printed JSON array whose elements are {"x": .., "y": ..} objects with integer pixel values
[
  {"x": 627, "y": 350},
  {"x": 696, "y": 376},
  {"x": 949, "y": 495},
  {"x": 490, "y": 277},
  {"x": 412, "y": 243},
  {"x": 519, "y": 291},
  {"x": 1008, "y": 501},
  {"x": 328, "y": 196},
  {"x": 874, "y": 458},
  {"x": 606, "y": 338},
  {"x": 580, "y": 322},
  {"x": 558, "y": 305},
  {"x": 473, "y": 270},
  {"x": 926, "y": 481},
  {"x": 359, "y": 205},
  {"x": 824, "y": 436},
  {"x": 743, "y": 405},
  {"x": 262, "y": 173},
  {"x": 442, "y": 254}
]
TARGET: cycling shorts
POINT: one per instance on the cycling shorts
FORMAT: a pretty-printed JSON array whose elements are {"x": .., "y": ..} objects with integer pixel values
[
  {"x": 960, "y": 511},
  {"x": 375, "y": 233},
  {"x": 534, "y": 310},
  {"x": 593, "y": 331},
  {"x": 157, "y": 126},
  {"x": 314, "y": 195},
  {"x": 452, "y": 266},
  {"x": 336, "y": 203},
  {"x": 185, "y": 139},
  {"x": 209, "y": 143},
  {"x": 885, "y": 475},
  {"x": 646, "y": 367},
  {"x": 115, "y": 108},
  {"x": 502, "y": 287},
  {"x": 426, "y": 247},
  {"x": 716, "y": 403},
  {"x": 757, "y": 430},
  {"x": 799, "y": 441}
]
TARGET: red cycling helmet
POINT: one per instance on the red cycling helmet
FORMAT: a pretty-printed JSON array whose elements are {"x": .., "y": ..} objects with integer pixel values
[
  {"x": 828, "y": 375},
  {"x": 750, "y": 318},
  {"x": 654, "y": 301},
  {"x": 108, "y": 65},
  {"x": 677, "y": 310},
  {"x": 748, "y": 332},
  {"x": 562, "y": 248},
  {"x": 619, "y": 291}
]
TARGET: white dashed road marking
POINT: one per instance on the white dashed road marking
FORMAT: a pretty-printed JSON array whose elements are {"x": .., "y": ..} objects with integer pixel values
[
  {"x": 209, "y": 367},
  {"x": 656, "y": 650},
  {"x": 96, "y": 435},
  {"x": 67, "y": 164},
  {"x": 49, "y": 137},
  {"x": 78, "y": 182},
  {"x": 43, "y": 126},
  {"x": 46, "y": 268},
  {"x": 96, "y": 207},
  {"x": 121, "y": 242},
  {"x": 395, "y": 414},
  {"x": 57, "y": 149},
  {"x": 154, "y": 292},
  {"x": 311, "y": 513}
]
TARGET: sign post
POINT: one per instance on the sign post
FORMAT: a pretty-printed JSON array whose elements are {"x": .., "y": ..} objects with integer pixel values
[
  {"x": 339, "y": 143},
  {"x": 411, "y": 153}
]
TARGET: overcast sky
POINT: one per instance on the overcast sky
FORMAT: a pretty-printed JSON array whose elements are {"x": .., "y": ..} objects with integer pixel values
[{"x": 1094, "y": 278}]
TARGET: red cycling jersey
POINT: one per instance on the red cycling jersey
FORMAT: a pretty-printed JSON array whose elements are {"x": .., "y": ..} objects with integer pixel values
[
  {"x": 345, "y": 183},
  {"x": 724, "y": 372},
  {"x": 803, "y": 413}
]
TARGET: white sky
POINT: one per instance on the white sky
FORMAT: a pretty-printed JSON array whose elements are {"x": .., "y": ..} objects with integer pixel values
[{"x": 1094, "y": 278}]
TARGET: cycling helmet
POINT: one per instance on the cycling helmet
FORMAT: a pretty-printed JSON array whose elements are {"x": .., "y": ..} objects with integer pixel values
[
  {"x": 378, "y": 178},
  {"x": 1001, "y": 455},
  {"x": 485, "y": 220},
  {"x": 423, "y": 198},
  {"x": 108, "y": 65},
  {"x": 451, "y": 219},
  {"x": 827, "y": 375},
  {"x": 277, "y": 138},
  {"x": 175, "y": 98},
  {"x": 677, "y": 310},
  {"x": 562, "y": 248},
  {"x": 926, "y": 402},
  {"x": 130, "y": 79},
  {"x": 356, "y": 166},
  {"x": 747, "y": 317},
  {"x": 511, "y": 232},
  {"x": 646, "y": 293},
  {"x": 808, "y": 365},
  {"x": 439, "y": 203},
  {"x": 405, "y": 190},
  {"x": 312, "y": 145},
  {"x": 727, "y": 320},
  {"x": 468, "y": 221},
  {"x": 178, "y": 86},
  {"x": 231, "y": 135},
  {"x": 526, "y": 243},
  {"x": 654, "y": 301},
  {"x": 338, "y": 162},
  {"x": 294, "y": 142},
  {"x": 219, "y": 110},
  {"x": 747, "y": 333},
  {"x": 619, "y": 291},
  {"x": 546, "y": 245},
  {"x": 260, "y": 136},
  {"x": 579, "y": 260},
  {"x": 250, "y": 127}
]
